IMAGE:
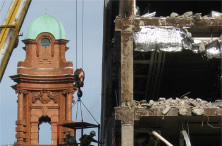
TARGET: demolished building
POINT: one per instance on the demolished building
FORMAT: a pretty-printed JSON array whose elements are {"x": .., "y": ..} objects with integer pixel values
[{"x": 162, "y": 73}]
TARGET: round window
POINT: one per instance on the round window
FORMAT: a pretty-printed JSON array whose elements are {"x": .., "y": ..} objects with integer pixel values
[{"x": 45, "y": 42}]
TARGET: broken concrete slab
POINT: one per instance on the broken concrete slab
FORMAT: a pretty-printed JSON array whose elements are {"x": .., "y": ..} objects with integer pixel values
[
  {"x": 166, "y": 109},
  {"x": 174, "y": 15},
  {"x": 188, "y": 14},
  {"x": 183, "y": 111},
  {"x": 198, "y": 111}
]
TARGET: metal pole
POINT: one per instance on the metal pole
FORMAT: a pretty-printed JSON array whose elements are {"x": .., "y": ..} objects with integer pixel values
[
  {"x": 98, "y": 134},
  {"x": 161, "y": 138}
]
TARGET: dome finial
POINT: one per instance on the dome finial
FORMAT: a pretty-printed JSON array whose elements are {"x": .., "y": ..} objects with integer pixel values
[{"x": 47, "y": 24}]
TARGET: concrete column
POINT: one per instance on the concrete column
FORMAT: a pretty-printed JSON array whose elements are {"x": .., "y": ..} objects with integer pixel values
[
  {"x": 127, "y": 8},
  {"x": 69, "y": 107},
  {"x": 127, "y": 67},
  {"x": 127, "y": 134},
  {"x": 20, "y": 106}
]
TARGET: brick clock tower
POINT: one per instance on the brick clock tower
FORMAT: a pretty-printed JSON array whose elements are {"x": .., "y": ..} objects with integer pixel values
[{"x": 44, "y": 82}]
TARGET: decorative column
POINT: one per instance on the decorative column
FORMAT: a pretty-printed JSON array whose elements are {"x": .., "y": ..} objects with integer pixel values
[
  {"x": 69, "y": 106},
  {"x": 20, "y": 129},
  {"x": 20, "y": 106}
]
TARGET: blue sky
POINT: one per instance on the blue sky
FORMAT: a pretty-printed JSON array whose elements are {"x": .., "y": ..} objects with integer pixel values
[{"x": 65, "y": 11}]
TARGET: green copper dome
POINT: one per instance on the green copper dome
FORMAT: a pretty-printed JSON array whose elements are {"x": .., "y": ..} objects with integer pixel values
[{"x": 48, "y": 24}]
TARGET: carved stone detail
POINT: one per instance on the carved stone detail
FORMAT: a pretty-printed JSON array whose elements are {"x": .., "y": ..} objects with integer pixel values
[
  {"x": 53, "y": 96},
  {"x": 44, "y": 96},
  {"x": 21, "y": 91},
  {"x": 68, "y": 92}
]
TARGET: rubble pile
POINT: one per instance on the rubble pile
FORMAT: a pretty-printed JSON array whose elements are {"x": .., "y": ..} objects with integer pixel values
[
  {"x": 183, "y": 104},
  {"x": 188, "y": 14}
]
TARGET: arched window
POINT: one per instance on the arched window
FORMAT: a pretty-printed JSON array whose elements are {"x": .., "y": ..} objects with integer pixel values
[{"x": 44, "y": 130}]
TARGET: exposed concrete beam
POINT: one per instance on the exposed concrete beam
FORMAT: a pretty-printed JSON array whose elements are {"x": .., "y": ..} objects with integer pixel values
[
  {"x": 174, "y": 112},
  {"x": 157, "y": 21},
  {"x": 127, "y": 115}
]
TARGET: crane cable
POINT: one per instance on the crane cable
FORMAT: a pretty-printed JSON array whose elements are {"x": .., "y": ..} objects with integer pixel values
[
  {"x": 82, "y": 29},
  {"x": 76, "y": 35},
  {"x": 81, "y": 32},
  {"x": 79, "y": 101}
]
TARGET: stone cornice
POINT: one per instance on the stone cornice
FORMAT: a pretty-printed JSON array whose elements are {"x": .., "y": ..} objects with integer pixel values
[{"x": 43, "y": 79}]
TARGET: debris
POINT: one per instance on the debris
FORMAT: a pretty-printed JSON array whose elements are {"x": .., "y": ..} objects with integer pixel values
[
  {"x": 137, "y": 11},
  {"x": 197, "y": 16},
  {"x": 149, "y": 14},
  {"x": 166, "y": 110},
  {"x": 173, "y": 39},
  {"x": 198, "y": 111},
  {"x": 201, "y": 47},
  {"x": 188, "y": 14},
  {"x": 151, "y": 102},
  {"x": 183, "y": 111},
  {"x": 213, "y": 49},
  {"x": 215, "y": 14},
  {"x": 185, "y": 94},
  {"x": 162, "y": 99},
  {"x": 173, "y": 15},
  {"x": 125, "y": 104},
  {"x": 161, "y": 138},
  {"x": 184, "y": 105},
  {"x": 163, "y": 38},
  {"x": 205, "y": 17},
  {"x": 217, "y": 103},
  {"x": 186, "y": 137}
]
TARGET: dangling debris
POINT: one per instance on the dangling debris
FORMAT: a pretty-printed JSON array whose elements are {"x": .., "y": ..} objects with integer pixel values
[
  {"x": 173, "y": 39},
  {"x": 149, "y": 14},
  {"x": 167, "y": 39},
  {"x": 213, "y": 49}
]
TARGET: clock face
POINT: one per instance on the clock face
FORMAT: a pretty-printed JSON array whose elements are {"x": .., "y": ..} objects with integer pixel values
[{"x": 45, "y": 43}]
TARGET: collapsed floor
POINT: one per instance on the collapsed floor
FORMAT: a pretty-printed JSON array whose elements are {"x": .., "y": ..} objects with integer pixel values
[{"x": 169, "y": 117}]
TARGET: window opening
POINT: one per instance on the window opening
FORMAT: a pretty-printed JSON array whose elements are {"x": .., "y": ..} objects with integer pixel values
[
  {"x": 45, "y": 42},
  {"x": 44, "y": 130}
]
